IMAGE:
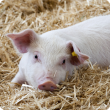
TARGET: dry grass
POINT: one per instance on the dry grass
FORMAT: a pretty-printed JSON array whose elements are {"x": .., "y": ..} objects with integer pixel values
[{"x": 88, "y": 89}]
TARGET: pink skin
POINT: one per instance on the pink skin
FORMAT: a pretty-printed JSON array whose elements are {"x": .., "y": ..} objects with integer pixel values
[
  {"x": 42, "y": 65},
  {"x": 46, "y": 81},
  {"x": 89, "y": 38},
  {"x": 22, "y": 40},
  {"x": 81, "y": 57},
  {"x": 46, "y": 84}
]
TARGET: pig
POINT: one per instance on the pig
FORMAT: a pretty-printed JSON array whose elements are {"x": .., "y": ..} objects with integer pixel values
[{"x": 48, "y": 57}]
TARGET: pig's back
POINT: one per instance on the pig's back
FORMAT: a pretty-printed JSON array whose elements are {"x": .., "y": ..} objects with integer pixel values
[{"x": 92, "y": 37}]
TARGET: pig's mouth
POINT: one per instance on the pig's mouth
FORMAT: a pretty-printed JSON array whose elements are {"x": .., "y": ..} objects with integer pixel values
[{"x": 47, "y": 84}]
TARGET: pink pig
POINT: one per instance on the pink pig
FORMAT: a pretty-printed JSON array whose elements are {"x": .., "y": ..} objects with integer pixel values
[{"x": 48, "y": 57}]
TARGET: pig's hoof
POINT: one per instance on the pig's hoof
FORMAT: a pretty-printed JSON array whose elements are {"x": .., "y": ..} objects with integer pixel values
[{"x": 13, "y": 85}]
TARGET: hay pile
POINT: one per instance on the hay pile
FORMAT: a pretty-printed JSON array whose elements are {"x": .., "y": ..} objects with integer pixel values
[{"x": 88, "y": 89}]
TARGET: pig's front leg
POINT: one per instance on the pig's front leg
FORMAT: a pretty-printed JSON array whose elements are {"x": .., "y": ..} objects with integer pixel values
[{"x": 19, "y": 78}]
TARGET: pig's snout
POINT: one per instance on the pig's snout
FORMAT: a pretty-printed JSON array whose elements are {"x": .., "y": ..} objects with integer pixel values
[{"x": 48, "y": 85}]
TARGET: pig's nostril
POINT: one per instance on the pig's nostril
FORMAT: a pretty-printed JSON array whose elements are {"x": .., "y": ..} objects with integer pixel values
[
  {"x": 49, "y": 85},
  {"x": 52, "y": 87},
  {"x": 43, "y": 86}
]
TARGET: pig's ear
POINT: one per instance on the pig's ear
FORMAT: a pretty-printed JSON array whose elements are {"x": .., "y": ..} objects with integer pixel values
[
  {"x": 23, "y": 39},
  {"x": 77, "y": 57}
]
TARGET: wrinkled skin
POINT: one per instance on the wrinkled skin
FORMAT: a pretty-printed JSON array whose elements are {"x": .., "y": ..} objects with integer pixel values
[{"x": 48, "y": 57}]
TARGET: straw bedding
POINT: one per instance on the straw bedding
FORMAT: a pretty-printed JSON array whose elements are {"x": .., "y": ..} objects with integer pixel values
[{"x": 88, "y": 88}]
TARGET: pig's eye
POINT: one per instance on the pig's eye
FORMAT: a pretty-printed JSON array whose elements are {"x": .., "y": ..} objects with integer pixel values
[
  {"x": 63, "y": 62},
  {"x": 36, "y": 56}
]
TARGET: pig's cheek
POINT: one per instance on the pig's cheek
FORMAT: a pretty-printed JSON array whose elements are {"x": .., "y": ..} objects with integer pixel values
[
  {"x": 64, "y": 66},
  {"x": 34, "y": 61},
  {"x": 30, "y": 70},
  {"x": 69, "y": 67},
  {"x": 60, "y": 76},
  {"x": 38, "y": 73},
  {"x": 63, "y": 72}
]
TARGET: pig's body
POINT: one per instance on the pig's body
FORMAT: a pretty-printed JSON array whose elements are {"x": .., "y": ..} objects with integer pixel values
[
  {"x": 53, "y": 49},
  {"x": 92, "y": 37}
]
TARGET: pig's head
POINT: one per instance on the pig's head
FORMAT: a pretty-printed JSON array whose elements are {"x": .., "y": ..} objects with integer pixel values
[{"x": 49, "y": 58}]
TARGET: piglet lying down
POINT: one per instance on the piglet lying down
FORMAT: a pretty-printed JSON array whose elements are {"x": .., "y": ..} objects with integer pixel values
[{"x": 48, "y": 57}]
